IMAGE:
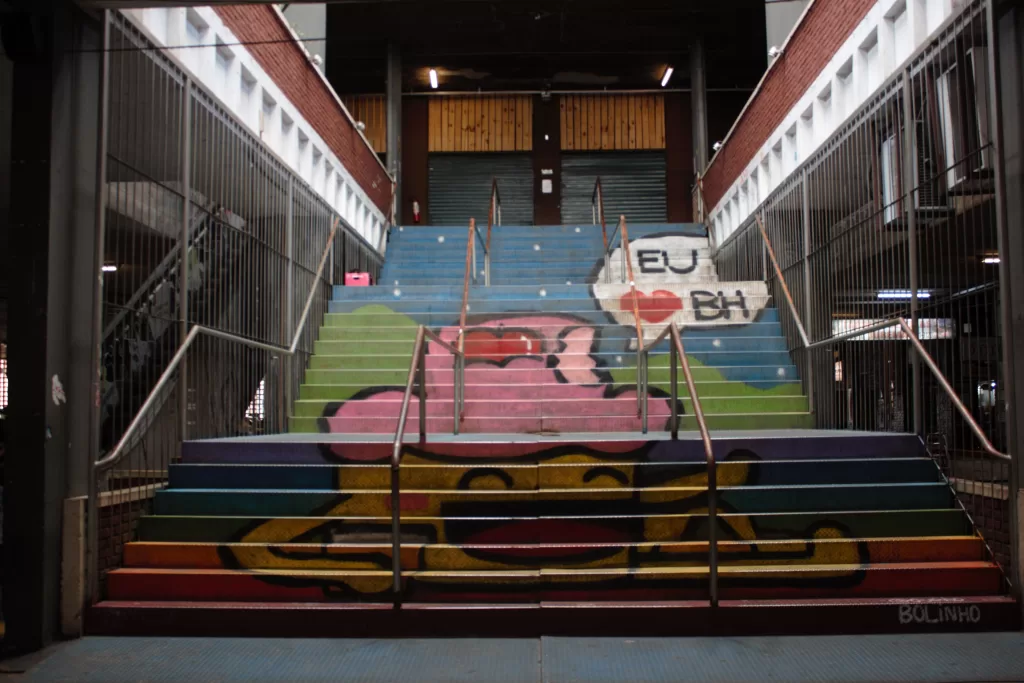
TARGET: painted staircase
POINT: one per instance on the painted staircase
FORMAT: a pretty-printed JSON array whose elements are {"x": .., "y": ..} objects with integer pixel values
[
  {"x": 551, "y": 513},
  {"x": 557, "y": 355}
]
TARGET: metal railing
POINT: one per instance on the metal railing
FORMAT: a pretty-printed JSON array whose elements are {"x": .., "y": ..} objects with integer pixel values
[
  {"x": 493, "y": 218},
  {"x": 418, "y": 374},
  {"x": 896, "y": 215},
  {"x": 677, "y": 356},
  {"x": 174, "y": 374}
]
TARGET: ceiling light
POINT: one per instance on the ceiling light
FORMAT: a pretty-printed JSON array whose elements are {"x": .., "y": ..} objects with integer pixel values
[
  {"x": 109, "y": 269},
  {"x": 433, "y": 79},
  {"x": 902, "y": 294},
  {"x": 668, "y": 75},
  {"x": 990, "y": 260}
]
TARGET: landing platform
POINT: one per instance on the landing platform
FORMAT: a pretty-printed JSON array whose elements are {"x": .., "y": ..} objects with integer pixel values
[{"x": 910, "y": 658}]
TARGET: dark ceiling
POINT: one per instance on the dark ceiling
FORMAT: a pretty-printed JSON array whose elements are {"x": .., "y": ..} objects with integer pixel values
[{"x": 544, "y": 44}]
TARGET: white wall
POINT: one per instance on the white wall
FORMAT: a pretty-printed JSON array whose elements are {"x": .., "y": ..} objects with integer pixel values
[
  {"x": 231, "y": 73},
  {"x": 890, "y": 32}
]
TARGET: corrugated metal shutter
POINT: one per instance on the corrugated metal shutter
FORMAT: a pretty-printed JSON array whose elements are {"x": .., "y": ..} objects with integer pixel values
[
  {"x": 633, "y": 183},
  {"x": 460, "y": 188}
]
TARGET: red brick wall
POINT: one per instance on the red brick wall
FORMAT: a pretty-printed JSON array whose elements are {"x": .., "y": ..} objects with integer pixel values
[
  {"x": 286, "y": 63},
  {"x": 822, "y": 32}
]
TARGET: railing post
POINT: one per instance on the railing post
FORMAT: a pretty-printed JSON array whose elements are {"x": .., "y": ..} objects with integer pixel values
[
  {"x": 457, "y": 392},
  {"x": 642, "y": 379},
  {"x": 673, "y": 378},
  {"x": 289, "y": 291},
  {"x": 808, "y": 294},
  {"x": 186, "y": 204},
  {"x": 422, "y": 361},
  {"x": 909, "y": 174}
]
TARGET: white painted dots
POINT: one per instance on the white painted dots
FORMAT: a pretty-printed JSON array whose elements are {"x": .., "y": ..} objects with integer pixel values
[
  {"x": 397, "y": 292},
  {"x": 781, "y": 372},
  {"x": 536, "y": 247},
  {"x": 568, "y": 282},
  {"x": 440, "y": 239},
  {"x": 543, "y": 292},
  {"x": 577, "y": 229},
  {"x": 717, "y": 343}
]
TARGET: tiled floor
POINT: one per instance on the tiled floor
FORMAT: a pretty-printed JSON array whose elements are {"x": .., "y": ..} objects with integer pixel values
[{"x": 946, "y": 657}]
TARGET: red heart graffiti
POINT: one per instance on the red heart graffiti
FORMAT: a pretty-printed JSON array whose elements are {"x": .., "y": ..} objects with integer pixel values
[
  {"x": 497, "y": 346},
  {"x": 655, "y": 308}
]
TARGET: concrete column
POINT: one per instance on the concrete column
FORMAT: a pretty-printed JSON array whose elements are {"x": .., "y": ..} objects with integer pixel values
[
  {"x": 1006, "y": 53},
  {"x": 50, "y": 330},
  {"x": 394, "y": 122},
  {"x": 699, "y": 105}
]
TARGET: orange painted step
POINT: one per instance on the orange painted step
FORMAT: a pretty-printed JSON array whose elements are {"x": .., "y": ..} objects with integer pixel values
[
  {"x": 681, "y": 583},
  {"x": 415, "y": 556}
]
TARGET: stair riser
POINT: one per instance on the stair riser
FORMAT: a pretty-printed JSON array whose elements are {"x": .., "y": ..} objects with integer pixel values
[
  {"x": 568, "y": 556},
  {"x": 549, "y": 425},
  {"x": 440, "y": 359},
  {"x": 545, "y": 476},
  {"x": 546, "y": 503},
  {"x": 332, "y": 343},
  {"x": 330, "y": 391},
  {"x": 225, "y": 586},
  {"x": 527, "y": 402},
  {"x": 870, "y": 524}
]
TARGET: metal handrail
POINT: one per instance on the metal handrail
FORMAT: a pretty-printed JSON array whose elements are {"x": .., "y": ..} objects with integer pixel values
[
  {"x": 628, "y": 268},
  {"x": 782, "y": 281},
  {"x": 927, "y": 358},
  {"x": 470, "y": 269},
  {"x": 597, "y": 210},
  {"x": 418, "y": 367},
  {"x": 119, "y": 450},
  {"x": 678, "y": 355}
]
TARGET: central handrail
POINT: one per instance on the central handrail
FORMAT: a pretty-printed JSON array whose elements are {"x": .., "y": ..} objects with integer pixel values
[
  {"x": 470, "y": 269},
  {"x": 597, "y": 211},
  {"x": 493, "y": 218},
  {"x": 628, "y": 268},
  {"x": 678, "y": 356},
  {"x": 418, "y": 370},
  {"x": 119, "y": 450},
  {"x": 782, "y": 281}
]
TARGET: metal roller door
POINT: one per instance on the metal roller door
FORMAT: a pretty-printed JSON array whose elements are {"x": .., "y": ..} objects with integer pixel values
[
  {"x": 460, "y": 188},
  {"x": 633, "y": 184}
]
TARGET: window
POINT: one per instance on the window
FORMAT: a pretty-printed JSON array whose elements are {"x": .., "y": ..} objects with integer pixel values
[
  {"x": 224, "y": 59},
  {"x": 789, "y": 150},
  {"x": 303, "y": 156},
  {"x": 257, "y": 407},
  {"x": 246, "y": 104},
  {"x": 962, "y": 96},
  {"x": 823, "y": 120},
  {"x": 267, "y": 112},
  {"x": 871, "y": 64},
  {"x": 195, "y": 27},
  {"x": 844, "y": 95},
  {"x": 806, "y": 137}
]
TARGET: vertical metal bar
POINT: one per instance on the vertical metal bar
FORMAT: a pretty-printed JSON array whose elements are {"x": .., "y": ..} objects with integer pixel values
[
  {"x": 909, "y": 167},
  {"x": 673, "y": 379},
  {"x": 396, "y": 537},
  {"x": 641, "y": 369},
  {"x": 422, "y": 371},
  {"x": 289, "y": 292},
  {"x": 457, "y": 392},
  {"x": 487, "y": 268},
  {"x": 808, "y": 296},
  {"x": 186, "y": 193},
  {"x": 96, "y": 371}
]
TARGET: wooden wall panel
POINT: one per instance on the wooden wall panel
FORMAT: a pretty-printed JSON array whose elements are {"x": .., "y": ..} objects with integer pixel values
[
  {"x": 612, "y": 122},
  {"x": 485, "y": 123},
  {"x": 371, "y": 110}
]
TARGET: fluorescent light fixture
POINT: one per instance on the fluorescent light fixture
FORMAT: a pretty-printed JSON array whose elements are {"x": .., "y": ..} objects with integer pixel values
[
  {"x": 990, "y": 260},
  {"x": 902, "y": 294},
  {"x": 668, "y": 75},
  {"x": 433, "y": 79},
  {"x": 109, "y": 269}
]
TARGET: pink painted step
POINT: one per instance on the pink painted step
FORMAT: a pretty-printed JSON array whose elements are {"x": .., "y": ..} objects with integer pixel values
[{"x": 492, "y": 425}]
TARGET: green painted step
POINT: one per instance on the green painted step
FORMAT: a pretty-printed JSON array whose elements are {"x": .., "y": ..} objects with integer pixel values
[
  {"x": 331, "y": 391},
  {"x": 753, "y": 421}
]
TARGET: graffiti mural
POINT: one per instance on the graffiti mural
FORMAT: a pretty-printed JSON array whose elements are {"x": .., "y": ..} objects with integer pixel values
[{"x": 519, "y": 508}]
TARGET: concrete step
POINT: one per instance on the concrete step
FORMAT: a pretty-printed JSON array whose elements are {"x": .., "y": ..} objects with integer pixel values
[
  {"x": 653, "y": 527},
  {"x": 736, "y": 583},
  {"x": 545, "y": 475},
  {"x": 446, "y": 557},
  {"x": 599, "y": 502}
]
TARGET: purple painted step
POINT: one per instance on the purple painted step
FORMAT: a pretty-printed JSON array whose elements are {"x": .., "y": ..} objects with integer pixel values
[{"x": 786, "y": 445}]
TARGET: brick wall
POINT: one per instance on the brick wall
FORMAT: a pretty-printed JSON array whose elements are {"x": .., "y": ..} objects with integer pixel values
[
  {"x": 116, "y": 526},
  {"x": 817, "y": 38},
  {"x": 287, "y": 64}
]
